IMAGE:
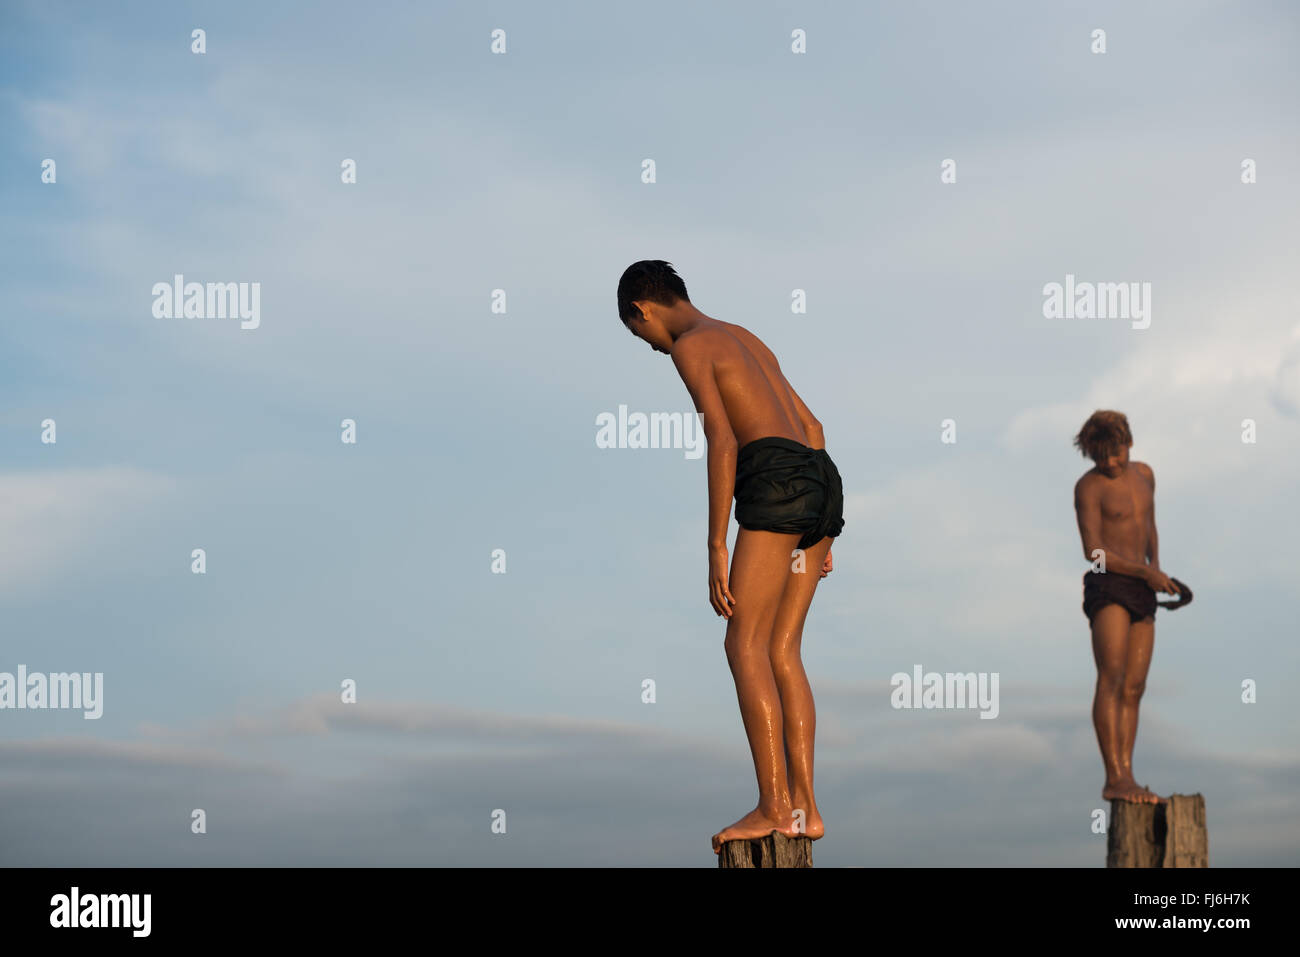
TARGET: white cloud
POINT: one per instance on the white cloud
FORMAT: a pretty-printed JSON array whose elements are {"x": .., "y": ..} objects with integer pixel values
[
  {"x": 1285, "y": 390},
  {"x": 1187, "y": 393},
  {"x": 52, "y": 754},
  {"x": 380, "y": 801},
  {"x": 52, "y": 517}
]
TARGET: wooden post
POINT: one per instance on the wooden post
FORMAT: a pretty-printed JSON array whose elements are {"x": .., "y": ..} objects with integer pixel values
[
  {"x": 775, "y": 850},
  {"x": 1187, "y": 843},
  {"x": 1158, "y": 835}
]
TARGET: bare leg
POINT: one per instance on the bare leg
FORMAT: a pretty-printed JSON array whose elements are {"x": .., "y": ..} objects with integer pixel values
[
  {"x": 798, "y": 711},
  {"x": 759, "y": 569},
  {"x": 1141, "y": 643},
  {"x": 1110, "y": 631}
]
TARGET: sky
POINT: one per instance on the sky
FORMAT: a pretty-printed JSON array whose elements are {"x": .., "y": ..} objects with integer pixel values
[{"x": 485, "y": 177}]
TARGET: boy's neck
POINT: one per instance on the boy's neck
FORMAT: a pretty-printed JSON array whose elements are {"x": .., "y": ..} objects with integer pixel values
[{"x": 683, "y": 319}]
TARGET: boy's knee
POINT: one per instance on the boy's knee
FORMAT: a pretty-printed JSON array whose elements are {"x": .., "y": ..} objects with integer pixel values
[
  {"x": 1110, "y": 683},
  {"x": 783, "y": 658},
  {"x": 1132, "y": 691},
  {"x": 745, "y": 642}
]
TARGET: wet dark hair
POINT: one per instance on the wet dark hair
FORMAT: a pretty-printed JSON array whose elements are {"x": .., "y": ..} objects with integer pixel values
[
  {"x": 1103, "y": 435},
  {"x": 651, "y": 279}
]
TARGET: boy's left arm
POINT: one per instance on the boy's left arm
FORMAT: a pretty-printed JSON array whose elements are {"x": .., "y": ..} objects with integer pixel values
[{"x": 1153, "y": 539}]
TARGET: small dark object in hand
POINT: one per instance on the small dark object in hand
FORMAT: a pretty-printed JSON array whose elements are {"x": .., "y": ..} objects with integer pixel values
[{"x": 1184, "y": 597}]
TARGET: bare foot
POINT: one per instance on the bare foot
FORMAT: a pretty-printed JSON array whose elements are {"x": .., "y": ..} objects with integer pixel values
[
  {"x": 1155, "y": 798},
  {"x": 813, "y": 828},
  {"x": 754, "y": 825},
  {"x": 1127, "y": 789}
]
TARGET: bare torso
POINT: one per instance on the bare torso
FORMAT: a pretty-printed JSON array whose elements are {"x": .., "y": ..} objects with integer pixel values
[
  {"x": 1127, "y": 509},
  {"x": 758, "y": 400}
]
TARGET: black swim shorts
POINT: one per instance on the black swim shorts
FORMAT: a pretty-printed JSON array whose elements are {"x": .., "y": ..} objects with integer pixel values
[
  {"x": 784, "y": 486},
  {"x": 1108, "y": 588}
]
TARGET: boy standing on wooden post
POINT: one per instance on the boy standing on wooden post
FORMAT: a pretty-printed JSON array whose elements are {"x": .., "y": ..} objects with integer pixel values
[
  {"x": 768, "y": 448},
  {"x": 1114, "y": 504}
]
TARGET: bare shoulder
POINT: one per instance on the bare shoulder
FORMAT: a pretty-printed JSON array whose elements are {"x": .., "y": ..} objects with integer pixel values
[
  {"x": 737, "y": 329},
  {"x": 1087, "y": 487},
  {"x": 697, "y": 345},
  {"x": 1145, "y": 471},
  {"x": 713, "y": 342},
  {"x": 751, "y": 339}
]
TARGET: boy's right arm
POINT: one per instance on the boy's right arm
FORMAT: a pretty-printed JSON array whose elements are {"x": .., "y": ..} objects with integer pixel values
[
  {"x": 695, "y": 366},
  {"x": 1087, "y": 510}
]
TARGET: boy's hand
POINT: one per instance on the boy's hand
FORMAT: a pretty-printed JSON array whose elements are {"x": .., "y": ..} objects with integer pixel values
[
  {"x": 827, "y": 565},
  {"x": 1161, "y": 582},
  {"x": 719, "y": 597}
]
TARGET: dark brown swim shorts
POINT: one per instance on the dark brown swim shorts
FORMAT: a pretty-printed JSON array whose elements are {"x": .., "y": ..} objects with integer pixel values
[{"x": 1108, "y": 588}]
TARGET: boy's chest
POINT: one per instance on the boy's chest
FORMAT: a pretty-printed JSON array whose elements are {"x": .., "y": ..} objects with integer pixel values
[{"x": 1128, "y": 498}]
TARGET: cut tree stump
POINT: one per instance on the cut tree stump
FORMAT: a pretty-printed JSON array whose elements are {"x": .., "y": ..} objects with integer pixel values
[
  {"x": 775, "y": 850},
  {"x": 1158, "y": 835}
]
